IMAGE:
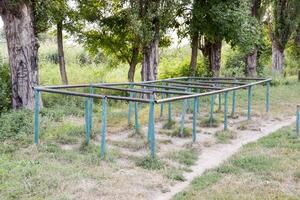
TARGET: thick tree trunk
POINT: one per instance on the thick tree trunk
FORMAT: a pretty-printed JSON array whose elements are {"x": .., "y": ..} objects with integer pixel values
[
  {"x": 277, "y": 59},
  {"x": 150, "y": 59},
  {"x": 212, "y": 51},
  {"x": 132, "y": 64},
  {"x": 251, "y": 62},
  {"x": 61, "y": 56},
  {"x": 23, "y": 53},
  {"x": 194, "y": 55}
]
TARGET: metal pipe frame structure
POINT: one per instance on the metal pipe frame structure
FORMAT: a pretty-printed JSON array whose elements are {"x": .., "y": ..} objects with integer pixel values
[{"x": 157, "y": 92}]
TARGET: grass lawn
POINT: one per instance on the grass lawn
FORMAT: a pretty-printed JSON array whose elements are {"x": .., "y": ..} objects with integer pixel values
[{"x": 267, "y": 169}]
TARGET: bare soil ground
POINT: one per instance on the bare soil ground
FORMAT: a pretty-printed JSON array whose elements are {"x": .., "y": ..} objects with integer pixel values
[{"x": 123, "y": 179}]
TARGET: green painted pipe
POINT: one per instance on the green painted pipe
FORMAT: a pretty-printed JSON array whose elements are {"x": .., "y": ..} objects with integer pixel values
[
  {"x": 103, "y": 128},
  {"x": 195, "y": 118},
  {"x": 183, "y": 117},
  {"x": 225, "y": 110},
  {"x": 151, "y": 131},
  {"x": 169, "y": 110},
  {"x": 162, "y": 104},
  {"x": 87, "y": 119},
  {"x": 130, "y": 106},
  {"x": 36, "y": 115},
  {"x": 136, "y": 117},
  {"x": 233, "y": 103},
  {"x": 220, "y": 102}
]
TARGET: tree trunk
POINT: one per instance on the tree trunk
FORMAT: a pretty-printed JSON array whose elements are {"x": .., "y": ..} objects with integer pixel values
[
  {"x": 150, "y": 59},
  {"x": 251, "y": 62},
  {"x": 132, "y": 64},
  {"x": 61, "y": 56},
  {"x": 194, "y": 55},
  {"x": 212, "y": 51},
  {"x": 23, "y": 53},
  {"x": 277, "y": 59}
]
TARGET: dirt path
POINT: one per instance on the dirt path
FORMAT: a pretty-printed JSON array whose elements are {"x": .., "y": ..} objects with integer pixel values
[{"x": 215, "y": 155}]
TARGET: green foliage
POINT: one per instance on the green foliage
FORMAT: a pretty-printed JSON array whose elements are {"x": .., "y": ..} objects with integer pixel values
[
  {"x": 235, "y": 64},
  {"x": 186, "y": 157},
  {"x": 224, "y": 137},
  {"x": 16, "y": 125},
  {"x": 5, "y": 88},
  {"x": 150, "y": 163}
]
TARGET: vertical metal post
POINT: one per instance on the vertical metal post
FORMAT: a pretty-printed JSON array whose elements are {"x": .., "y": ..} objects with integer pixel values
[
  {"x": 198, "y": 101},
  {"x": 130, "y": 107},
  {"x": 233, "y": 103},
  {"x": 195, "y": 117},
  {"x": 151, "y": 131},
  {"x": 183, "y": 117},
  {"x": 36, "y": 115},
  {"x": 225, "y": 109},
  {"x": 91, "y": 108},
  {"x": 136, "y": 117},
  {"x": 268, "y": 97},
  {"x": 169, "y": 110},
  {"x": 189, "y": 102},
  {"x": 103, "y": 127},
  {"x": 87, "y": 120},
  {"x": 212, "y": 102},
  {"x": 162, "y": 104},
  {"x": 298, "y": 120},
  {"x": 249, "y": 102}
]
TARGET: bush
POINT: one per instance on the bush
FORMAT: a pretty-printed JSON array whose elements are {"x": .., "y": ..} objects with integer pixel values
[
  {"x": 14, "y": 125},
  {"x": 5, "y": 88},
  {"x": 235, "y": 64},
  {"x": 52, "y": 57}
]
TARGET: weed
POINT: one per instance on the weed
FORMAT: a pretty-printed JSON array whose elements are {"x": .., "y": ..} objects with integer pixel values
[
  {"x": 187, "y": 157},
  {"x": 169, "y": 125},
  {"x": 150, "y": 163},
  {"x": 207, "y": 122},
  {"x": 224, "y": 137},
  {"x": 173, "y": 173}
]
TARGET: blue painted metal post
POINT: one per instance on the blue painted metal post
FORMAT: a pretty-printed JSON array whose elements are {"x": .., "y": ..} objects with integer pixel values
[
  {"x": 169, "y": 110},
  {"x": 130, "y": 107},
  {"x": 212, "y": 103},
  {"x": 87, "y": 120},
  {"x": 195, "y": 118},
  {"x": 151, "y": 128},
  {"x": 91, "y": 108},
  {"x": 298, "y": 121},
  {"x": 198, "y": 100},
  {"x": 103, "y": 128},
  {"x": 189, "y": 102},
  {"x": 233, "y": 103},
  {"x": 225, "y": 109},
  {"x": 249, "y": 102},
  {"x": 268, "y": 97},
  {"x": 162, "y": 104},
  {"x": 136, "y": 117},
  {"x": 36, "y": 115},
  {"x": 183, "y": 117}
]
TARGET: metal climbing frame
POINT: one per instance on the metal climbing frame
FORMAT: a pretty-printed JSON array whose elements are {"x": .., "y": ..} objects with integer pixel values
[{"x": 158, "y": 92}]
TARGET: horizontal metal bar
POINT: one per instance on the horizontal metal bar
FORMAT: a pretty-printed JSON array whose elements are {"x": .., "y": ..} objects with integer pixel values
[
  {"x": 222, "y": 82},
  {"x": 212, "y": 92},
  {"x": 189, "y": 82},
  {"x": 229, "y": 78},
  {"x": 56, "y": 91},
  {"x": 159, "y": 86},
  {"x": 199, "y": 86}
]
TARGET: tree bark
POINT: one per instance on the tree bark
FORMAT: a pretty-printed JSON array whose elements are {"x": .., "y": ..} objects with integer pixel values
[
  {"x": 150, "y": 58},
  {"x": 194, "y": 55},
  {"x": 251, "y": 61},
  {"x": 61, "y": 56},
  {"x": 132, "y": 64},
  {"x": 277, "y": 58},
  {"x": 212, "y": 51},
  {"x": 251, "y": 58},
  {"x": 23, "y": 52}
]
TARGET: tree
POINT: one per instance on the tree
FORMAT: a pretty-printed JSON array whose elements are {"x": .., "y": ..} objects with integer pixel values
[
  {"x": 21, "y": 36},
  {"x": 285, "y": 15},
  {"x": 116, "y": 34},
  {"x": 156, "y": 17},
  {"x": 218, "y": 20},
  {"x": 55, "y": 13}
]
